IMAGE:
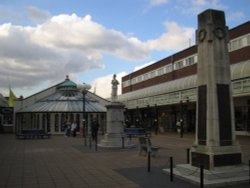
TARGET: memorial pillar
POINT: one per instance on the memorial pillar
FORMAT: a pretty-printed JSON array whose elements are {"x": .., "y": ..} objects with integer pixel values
[{"x": 215, "y": 143}]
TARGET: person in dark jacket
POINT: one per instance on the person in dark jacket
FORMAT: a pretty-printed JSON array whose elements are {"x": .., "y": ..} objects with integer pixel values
[{"x": 94, "y": 129}]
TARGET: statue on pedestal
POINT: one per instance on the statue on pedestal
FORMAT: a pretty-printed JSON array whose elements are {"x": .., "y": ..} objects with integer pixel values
[
  {"x": 115, "y": 84},
  {"x": 114, "y": 136}
]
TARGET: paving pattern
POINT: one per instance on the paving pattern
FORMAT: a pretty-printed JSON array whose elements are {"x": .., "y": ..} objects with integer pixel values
[{"x": 68, "y": 163}]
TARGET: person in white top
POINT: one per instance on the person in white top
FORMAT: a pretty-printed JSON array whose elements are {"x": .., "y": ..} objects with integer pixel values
[{"x": 73, "y": 129}]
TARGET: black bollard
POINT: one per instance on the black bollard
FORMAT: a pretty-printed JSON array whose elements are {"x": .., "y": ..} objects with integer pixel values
[
  {"x": 90, "y": 143},
  {"x": 123, "y": 143},
  {"x": 188, "y": 160},
  {"x": 149, "y": 160},
  {"x": 201, "y": 176},
  {"x": 96, "y": 140},
  {"x": 171, "y": 169}
]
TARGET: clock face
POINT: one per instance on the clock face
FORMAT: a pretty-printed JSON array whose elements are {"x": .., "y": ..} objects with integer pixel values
[
  {"x": 202, "y": 34},
  {"x": 219, "y": 33}
]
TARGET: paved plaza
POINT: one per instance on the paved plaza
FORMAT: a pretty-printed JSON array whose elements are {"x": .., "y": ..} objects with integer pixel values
[{"x": 67, "y": 162}]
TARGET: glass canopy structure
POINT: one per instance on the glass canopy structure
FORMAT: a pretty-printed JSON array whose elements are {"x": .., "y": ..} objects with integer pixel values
[{"x": 52, "y": 108}]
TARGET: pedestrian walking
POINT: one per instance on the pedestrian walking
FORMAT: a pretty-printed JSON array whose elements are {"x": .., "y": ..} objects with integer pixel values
[{"x": 94, "y": 129}]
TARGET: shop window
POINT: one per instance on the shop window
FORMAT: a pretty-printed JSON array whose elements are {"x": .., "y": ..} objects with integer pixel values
[
  {"x": 126, "y": 83},
  {"x": 190, "y": 61},
  {"x": 134, "y": 81},
  {"x": 48, "y": 122},
  {"x": 168, "y": 68},
  {"x": 56, "y": 123},
  {"x": 152, "y": 74},
  {"x": 229, "y": 47},
  {"x": 234, "y": 45},
  {"x": 178, "y": 65},
  {"x": 160, "y": 71},
  {"x": 195, "y": 58},
  {"x": 71, "y": 118},
  {"x": 139, "y": 78},
  {"x": 43, "y": 121},
  {"x": 146, "y": 76},
  {"x": 7, "y": 115},
  {"x": 244, "y": 42},
  {"x": 34, "y": 121},
  {"x": 63, "y": 122},
  {"x": 77, "y": 122},
  {"x": 240, "y": 118},
  {"x": 38, "y": 121}
]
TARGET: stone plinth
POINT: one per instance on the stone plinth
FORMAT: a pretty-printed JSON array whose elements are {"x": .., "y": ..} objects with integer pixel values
[
  {"x": 221, "y": 176},
  {"x": 114, "y": 135},
  {"x": 215, "y": 145}
]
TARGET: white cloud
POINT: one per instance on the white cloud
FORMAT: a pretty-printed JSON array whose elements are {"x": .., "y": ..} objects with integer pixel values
[
  {"x": 176, "y": 37},
  {"x": 236, "y": 16},
  {"x": 157, "y": 2},
  {"x": 195, "y": 7},
  {"x": 37, "y": 15},
  {"x": 68, "y": 44},
  {"x": 90, "y": 37},
  {"x": 154, "y": 3},
  {"x": 64, "y": 44},
  {"x": 102, "y": 85}
]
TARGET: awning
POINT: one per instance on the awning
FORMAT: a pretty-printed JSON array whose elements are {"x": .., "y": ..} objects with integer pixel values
[{"x": 238, "y": 71}]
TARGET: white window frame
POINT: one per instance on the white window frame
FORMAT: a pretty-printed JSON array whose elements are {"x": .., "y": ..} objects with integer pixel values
[{"x": 178, "y": 64}]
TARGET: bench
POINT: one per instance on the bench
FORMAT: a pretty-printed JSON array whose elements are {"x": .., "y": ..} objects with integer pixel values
[
  {"x": 32, "y": 133},
  {"x": 145, "y": 146},
  {"x": 135, "y": 132}
]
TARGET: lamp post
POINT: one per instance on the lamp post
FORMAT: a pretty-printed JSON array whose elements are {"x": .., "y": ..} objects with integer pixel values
[{"x": 84, "y": 89}]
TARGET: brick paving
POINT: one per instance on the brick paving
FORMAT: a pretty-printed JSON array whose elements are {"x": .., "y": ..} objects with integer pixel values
[{"x": 66, "y": 162}]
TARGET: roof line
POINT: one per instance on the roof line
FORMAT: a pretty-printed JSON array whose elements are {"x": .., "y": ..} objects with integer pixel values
[{"x": 44, "y": 90}]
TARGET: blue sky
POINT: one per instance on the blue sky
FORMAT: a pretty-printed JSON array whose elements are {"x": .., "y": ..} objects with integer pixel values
[{"x": 42, "y": 41}]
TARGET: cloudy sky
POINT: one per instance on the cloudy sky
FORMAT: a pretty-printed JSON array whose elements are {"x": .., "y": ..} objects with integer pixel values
[{"x": 42, "y": 41}]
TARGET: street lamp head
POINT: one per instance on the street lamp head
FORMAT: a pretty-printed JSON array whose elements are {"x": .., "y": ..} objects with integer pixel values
[{"x": 84, "y": 87}]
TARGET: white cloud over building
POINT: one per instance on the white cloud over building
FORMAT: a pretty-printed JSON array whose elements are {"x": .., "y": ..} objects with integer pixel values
[{"x": 69, "y": 44}]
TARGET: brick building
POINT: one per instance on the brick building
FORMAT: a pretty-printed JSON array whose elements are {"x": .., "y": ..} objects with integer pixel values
[{"x": 165, "y": 91}]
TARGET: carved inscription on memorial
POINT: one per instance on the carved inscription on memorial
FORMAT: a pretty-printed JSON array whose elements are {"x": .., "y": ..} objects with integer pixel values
[
  {"x": 202, "y": 107},
  {"x": 224, "y": 114}
]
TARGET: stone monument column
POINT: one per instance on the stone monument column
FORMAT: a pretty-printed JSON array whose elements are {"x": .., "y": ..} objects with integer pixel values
[
  {"x": 215, "y": 147},
  {"x": 215, "y": 143}
]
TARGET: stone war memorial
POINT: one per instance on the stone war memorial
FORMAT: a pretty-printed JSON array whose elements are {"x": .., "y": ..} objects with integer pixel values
[
  {"x": 215, "y": 146},
  {"x": 114, "y": 136}
]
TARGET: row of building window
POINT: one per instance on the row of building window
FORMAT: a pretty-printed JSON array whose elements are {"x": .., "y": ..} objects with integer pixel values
[
  {"x": 234, "y": 44},
  {"x": 162, "y": 70},
  {"x": 239, "y": 87},
  {"x": 239, "y": 42},
  {"x": 60, "y": 120}
]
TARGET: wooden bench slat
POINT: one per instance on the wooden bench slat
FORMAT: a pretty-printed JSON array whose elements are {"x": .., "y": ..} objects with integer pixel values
[
  {"x": 33, "y": 133},
  {"x": 135, "y": 131}
]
